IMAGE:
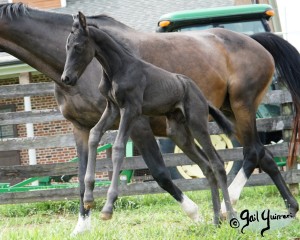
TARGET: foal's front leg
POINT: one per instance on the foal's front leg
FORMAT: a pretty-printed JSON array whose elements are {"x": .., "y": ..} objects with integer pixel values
[
  {"x": 128, "y": 116},
  {"x": 106, "y": 121}
]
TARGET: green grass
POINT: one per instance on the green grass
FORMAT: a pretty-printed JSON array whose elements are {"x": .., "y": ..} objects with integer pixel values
[{"x": 140, "y": 217}]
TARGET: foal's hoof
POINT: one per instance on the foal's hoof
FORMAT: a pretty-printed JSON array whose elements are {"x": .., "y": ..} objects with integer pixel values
[
  {"x": 106, "y": 216},
  {"x": 227, "y": 216},
  {"x": 89, "y": 205},
  {"x": 223, "y": 216},
  {"x": 293, "y": 212}
]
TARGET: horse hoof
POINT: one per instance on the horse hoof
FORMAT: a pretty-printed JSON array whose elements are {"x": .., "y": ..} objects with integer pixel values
[
  {"x": 227, "y": 216},
  {"x": 223, "y": 217},
  {"x": 106, "y": 216},
  {"x": 89, "y": 205},
  {"x": 293, "y": 211}
]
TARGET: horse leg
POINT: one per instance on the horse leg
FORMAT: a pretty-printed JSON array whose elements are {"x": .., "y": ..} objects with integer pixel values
[
  {"x": 184, "y": 140},
  {"x": 243, "y": 112},
  {"x": 202, "y": 136},
  {"x": 145, "y": 142},
  {"x": 255, "y": 153},
  {"x": 197, "y": 122},
  {"x": 107, "y": 119},
  {"x": 84, "y": 219},
  {"x": 128, "y": 116},
  {"x": 249, "y": 164},
  {"x": 268, "y": 165}
]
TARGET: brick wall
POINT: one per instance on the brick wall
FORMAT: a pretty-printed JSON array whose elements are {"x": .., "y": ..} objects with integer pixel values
[
  {"x": 52, "y": 155},
  {"x": 46, "y": 155}
]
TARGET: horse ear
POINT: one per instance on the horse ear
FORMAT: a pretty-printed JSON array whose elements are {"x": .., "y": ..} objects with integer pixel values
[{"x": 82, "y": 21}]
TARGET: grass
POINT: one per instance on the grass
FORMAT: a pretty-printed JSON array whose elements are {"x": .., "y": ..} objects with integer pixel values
[{"x": 140, "y": 217}]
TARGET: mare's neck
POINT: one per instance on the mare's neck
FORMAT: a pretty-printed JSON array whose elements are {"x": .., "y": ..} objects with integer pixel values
[{"x": 111, "y": 55}]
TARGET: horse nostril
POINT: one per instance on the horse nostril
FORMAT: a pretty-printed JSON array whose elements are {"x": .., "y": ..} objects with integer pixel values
[{"x": 65, "y": 79}]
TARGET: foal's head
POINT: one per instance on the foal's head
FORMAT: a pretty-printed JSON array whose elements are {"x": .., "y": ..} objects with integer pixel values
[{"x": 80, "y": 51}]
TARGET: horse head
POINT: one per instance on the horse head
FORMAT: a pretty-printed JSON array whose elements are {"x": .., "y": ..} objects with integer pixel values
[{"x": 79, "y": 49}]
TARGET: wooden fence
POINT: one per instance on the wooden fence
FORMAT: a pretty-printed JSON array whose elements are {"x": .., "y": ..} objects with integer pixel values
[{"x": 265, "y": 125}]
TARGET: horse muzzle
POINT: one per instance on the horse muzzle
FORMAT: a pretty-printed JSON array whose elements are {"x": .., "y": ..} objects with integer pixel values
[{"x": 68, "y": 80}]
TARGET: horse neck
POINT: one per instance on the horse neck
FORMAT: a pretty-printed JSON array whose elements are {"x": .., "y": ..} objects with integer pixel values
[
  {"x": 28, "y": 36},
  {"x": 110, "y": 53}
]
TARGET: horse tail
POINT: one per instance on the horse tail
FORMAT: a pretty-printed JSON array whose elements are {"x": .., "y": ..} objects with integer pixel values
[
  {"x": 287, "y": 63},
  {"x": 221, "y": 120}
]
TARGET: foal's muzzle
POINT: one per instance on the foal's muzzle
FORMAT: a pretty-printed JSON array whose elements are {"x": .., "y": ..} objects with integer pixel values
[{"x": 68, "y": 80}]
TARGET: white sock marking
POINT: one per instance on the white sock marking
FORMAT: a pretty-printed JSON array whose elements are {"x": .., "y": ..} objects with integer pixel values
[
  {"x": 190, "y": 208},
  {"x": 83, "y": 224},
  {"x": 235, "y": 189}
]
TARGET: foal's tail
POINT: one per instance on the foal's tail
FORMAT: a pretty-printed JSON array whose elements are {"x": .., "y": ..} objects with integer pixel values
[
  {"x": 221, "y": 120},
  {"x": 287, "y": 62}
]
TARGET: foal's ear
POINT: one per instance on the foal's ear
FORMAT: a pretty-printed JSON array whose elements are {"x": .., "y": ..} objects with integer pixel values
[{"x": 82, "y": 21}]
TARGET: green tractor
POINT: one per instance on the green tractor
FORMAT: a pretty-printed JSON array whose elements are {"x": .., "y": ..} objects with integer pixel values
[{"x": 246, "y": 19}]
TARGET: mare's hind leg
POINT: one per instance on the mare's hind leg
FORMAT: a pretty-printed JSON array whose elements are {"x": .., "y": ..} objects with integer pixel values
[
  {"x": 251, "y": 158},
  {"x": 255, "y": 153},
  {"x": 184, "y": 140},
  {"x": 146, "y": 144},
  {"x": 270, "y": 167}
]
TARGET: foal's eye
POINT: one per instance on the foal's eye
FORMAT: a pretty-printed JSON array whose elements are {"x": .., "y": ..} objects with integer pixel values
[{"x": 78, "y": 48}]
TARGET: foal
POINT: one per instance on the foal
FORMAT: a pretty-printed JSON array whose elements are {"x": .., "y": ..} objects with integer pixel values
[{"x": 134, "y": 87}]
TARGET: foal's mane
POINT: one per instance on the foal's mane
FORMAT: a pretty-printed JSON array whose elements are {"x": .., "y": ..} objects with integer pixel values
[
  {"x": 114, "y": 38},
  {"x": 103, "y": 20},
  {"x": 11, "y": 10}
]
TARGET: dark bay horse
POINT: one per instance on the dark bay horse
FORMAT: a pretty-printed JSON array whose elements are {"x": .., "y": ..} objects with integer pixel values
[
  {"x": 235, "y": 79},
  {"x": 132, "y": 88}
]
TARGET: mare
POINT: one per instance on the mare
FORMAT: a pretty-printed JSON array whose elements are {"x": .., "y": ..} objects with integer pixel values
[
  {"x": 232, "y": 70},
  {"x": 132, "y": 88}
]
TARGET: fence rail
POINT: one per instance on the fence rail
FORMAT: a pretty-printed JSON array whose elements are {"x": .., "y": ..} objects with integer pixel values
[
  {"x": 67, "y": 140},
  {"x": 262, "y": 179},
  {"x": 105, "y": 164},
  {"x": 36, "y": 116},
  {"x": 32, "y": 89}
]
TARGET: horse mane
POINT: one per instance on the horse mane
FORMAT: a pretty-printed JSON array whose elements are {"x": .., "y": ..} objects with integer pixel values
[
  {"x": 102, "y": 16},
  {"x": 113, "y": 38},
  {"x": 13, "y": 10},
  {"x": 106, "y": 20}
]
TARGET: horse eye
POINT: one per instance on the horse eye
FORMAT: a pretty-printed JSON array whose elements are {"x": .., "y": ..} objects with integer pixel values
[{"x": 78, "y": 48}]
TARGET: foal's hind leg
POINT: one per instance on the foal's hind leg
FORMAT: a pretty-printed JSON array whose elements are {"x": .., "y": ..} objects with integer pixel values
[
  {"x": 217, "y": 166},
  {"x": 184, "y": 140},
  {"x": 146, "y": 144},
  {"x": 198, "y": 124}
]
